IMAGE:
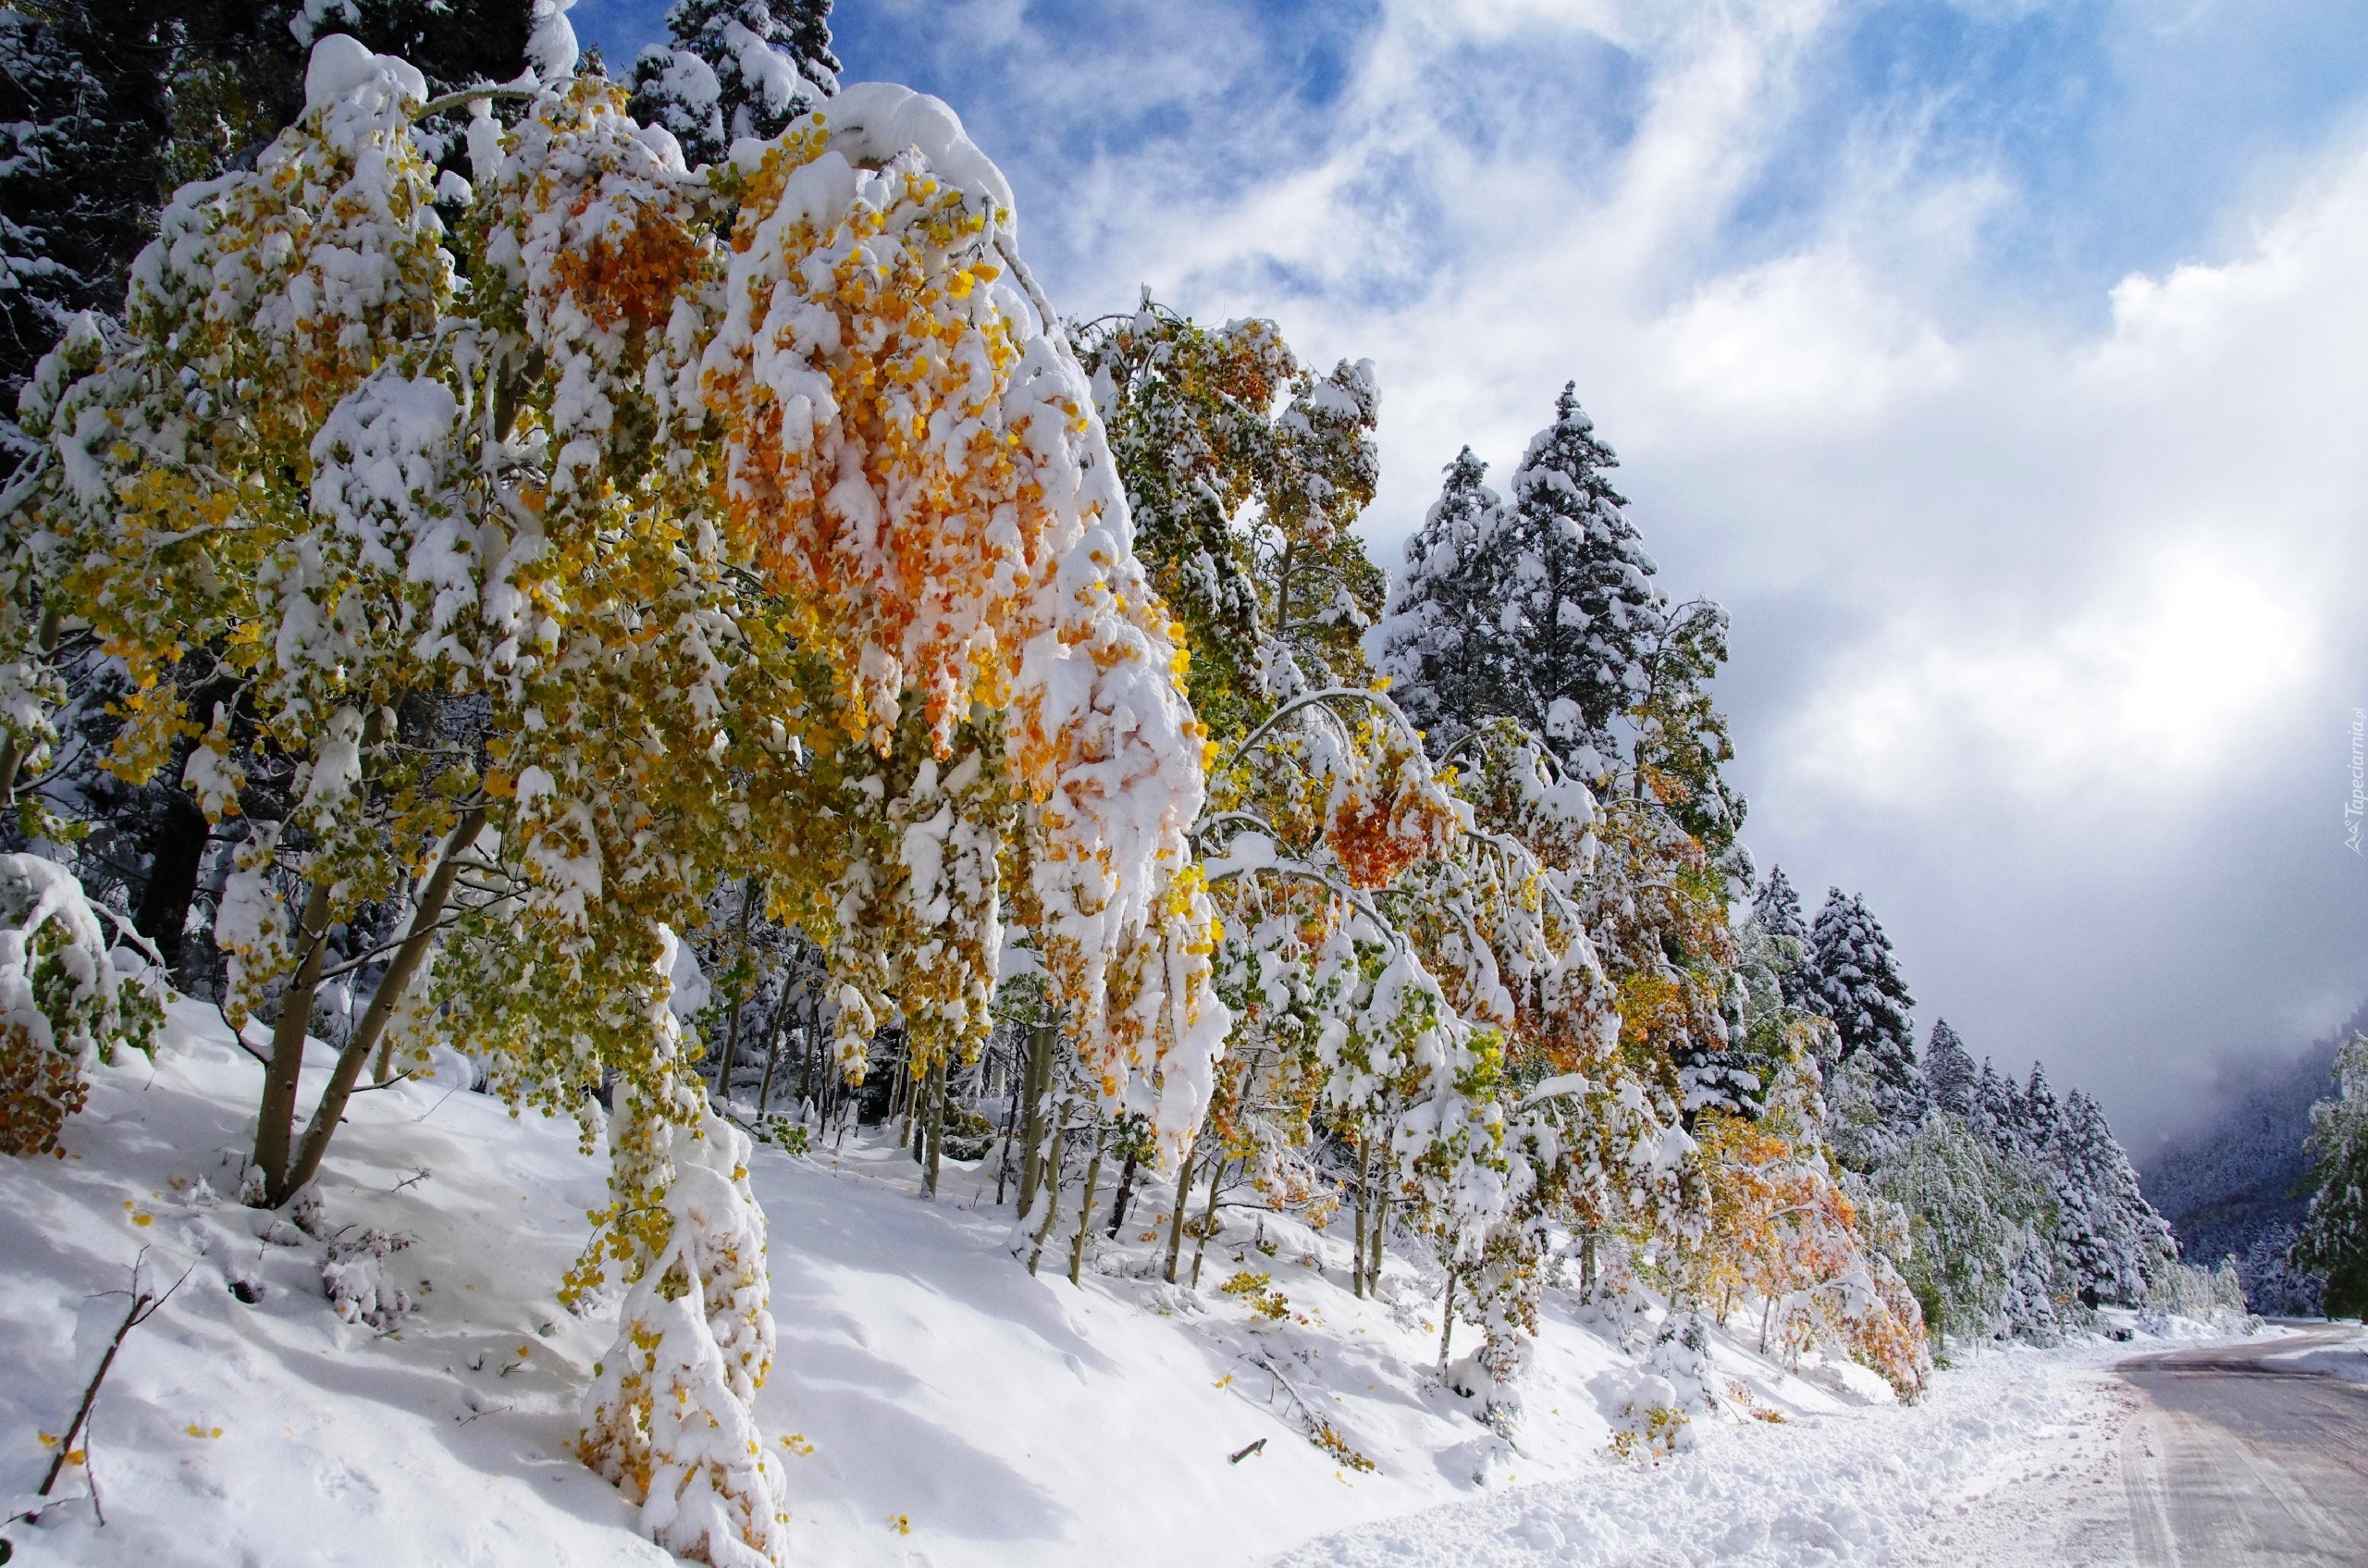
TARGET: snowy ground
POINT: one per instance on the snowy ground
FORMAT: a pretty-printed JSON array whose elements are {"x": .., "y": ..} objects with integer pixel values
[
  {"x": 2012, "y": 1458},
  {"x": 938, "y": 1405}
]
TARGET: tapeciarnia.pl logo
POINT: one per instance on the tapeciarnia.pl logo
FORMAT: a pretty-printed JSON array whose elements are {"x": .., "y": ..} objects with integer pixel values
[{"x": 2357, "y": 807}]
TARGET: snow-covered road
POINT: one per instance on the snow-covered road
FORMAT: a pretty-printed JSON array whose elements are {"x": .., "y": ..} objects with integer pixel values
[
  {"x": 2016, "y": 1457},
  {"x": 2253, "y": 1453}
]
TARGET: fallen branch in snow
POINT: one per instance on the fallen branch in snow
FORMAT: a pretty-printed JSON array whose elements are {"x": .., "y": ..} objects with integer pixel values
[
  {"x": 1239, "y": 1454},
  {"x": 143, "y": 1307},
  {"x": 1316, "y": 1429}
]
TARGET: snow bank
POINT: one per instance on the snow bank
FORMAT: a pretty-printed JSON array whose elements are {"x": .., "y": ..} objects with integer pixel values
[
  {"x": 397, "y": 1368},
  {"x": 2348, "y": 1363}
]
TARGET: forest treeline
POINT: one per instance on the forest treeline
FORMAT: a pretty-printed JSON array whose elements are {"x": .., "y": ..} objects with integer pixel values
[{"x": 630, "y": 579}]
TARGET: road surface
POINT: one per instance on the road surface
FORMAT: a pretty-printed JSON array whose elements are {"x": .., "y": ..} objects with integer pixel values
[{"x": 2233, "y": 1460}]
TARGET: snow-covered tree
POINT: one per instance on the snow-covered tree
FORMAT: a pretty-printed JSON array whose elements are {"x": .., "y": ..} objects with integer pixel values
[
  {"x": 65, "y": 227},
  {"x": 2334, "y": 1243},
  {"x": 62, "y": 1001},
  {"x": 107, "y": 106},
  {"x": 1244, "y": 470},
  {"x": 1857, "y": 985},
  {"x": 668, "y": 1418},
  {"x": 1778, "y": 907},
  {"x": 1981, "y": 1222},
  {"x": 1780, "y": 1227},
  {"x": 1538, "y": 609},
  {"x": 734, "y": 68},
  {"x": 1949, "y": 1078},
  {"x": 1452, "y": 658},
  {"x": 2115, "y": 1241},
  {"x": 552, "y": 602}
]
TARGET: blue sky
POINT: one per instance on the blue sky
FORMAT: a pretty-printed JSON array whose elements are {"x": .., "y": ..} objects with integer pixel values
[{"x": 2002, "y": 365}]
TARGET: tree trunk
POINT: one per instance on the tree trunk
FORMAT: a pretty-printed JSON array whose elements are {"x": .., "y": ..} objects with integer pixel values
[
  {"x": 1446, "y": 1326},
  {"x": 1283, "y": 597},
  {"x": 1003, "y": 1156},
  {"x": 1380, "y": 1234},
  {"x": 1175, "y": 1218},
  {"x": 276, "y": 1121},
  {"x": 732, "y": 1024},
  {"x": 1125, "y": 1192},
  {"x": 1208, "y": 1218},
  {"x": 381, "y": 1010},
  {"x": 174, "y": 855},
  {"x": 776, "y": 1030},
  {"x": 1356, "y": 1252},
  {"x": 1053, "y": 1201},
  {"x": 1085, "y": 1208},
  {"x": 936, "y": 1123},
  {"x": 1038, "y": 1089}
]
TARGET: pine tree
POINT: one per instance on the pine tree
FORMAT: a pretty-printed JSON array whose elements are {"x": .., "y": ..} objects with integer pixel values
[
  {"x": 1996, "y": 1113},
  {"x": 1777, "y": 909},
  {"x": 69, "y": 218},
  {"x": 2040, "y": 1115},
  {"x": 1858, "y": 986},
  {"x": 2114, "y": 1241},
  {"x": 1540, "y": 609},
  {"x": 1948, "y": 1071},
  {"x": 2334, "y": 1243},
  {"x": 734, "y": 69},
  {"x": 1451, "y": 658}
]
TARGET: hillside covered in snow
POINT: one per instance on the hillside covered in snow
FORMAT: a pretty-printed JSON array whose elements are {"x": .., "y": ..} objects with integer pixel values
[
  {"x": 392, "y": 1366},
  {"x": 2235, "y": 1183}
]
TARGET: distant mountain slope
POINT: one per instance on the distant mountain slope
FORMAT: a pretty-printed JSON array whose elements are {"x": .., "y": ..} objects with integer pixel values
[{"x": 2228, "y": 1184}]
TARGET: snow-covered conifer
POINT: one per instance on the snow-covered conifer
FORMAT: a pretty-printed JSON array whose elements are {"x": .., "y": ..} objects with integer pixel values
[
  {"x": 65, "y": 227},
  {"x": 1539, "y": 607},
  {"x": 1452, "y": 658},
  {"x": 1778, "y": 909},
  {"x": 734, "y": 69},
  {"x": 1997, "y": 1112},
  {"x": 1857, "y": 981},
  {"x": 1857, "y": 985},
  {"x": 1776, "y": 912},
  {"x": 1949, "y": 1078},
  {"x": 2334, "y": 1241},
  {"x": 2117, "y": 1244}
]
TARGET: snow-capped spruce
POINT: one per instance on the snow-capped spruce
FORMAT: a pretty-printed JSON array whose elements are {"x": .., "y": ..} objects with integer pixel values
[
  {"x": 2334, "y": 1243},
  {"x": 1948, "y": 1071},
  {"x": 734, "y": 69},
  {"x": 1857, "y": 984},
  {"x": 1538, "y": 608}
]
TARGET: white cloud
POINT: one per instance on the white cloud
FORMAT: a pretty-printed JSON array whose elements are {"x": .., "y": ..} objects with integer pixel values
[
  {"x": 1808, "y": 341},
  {"x": 2203, "y": 483},
  {"x": 2147, "y": 690}
]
